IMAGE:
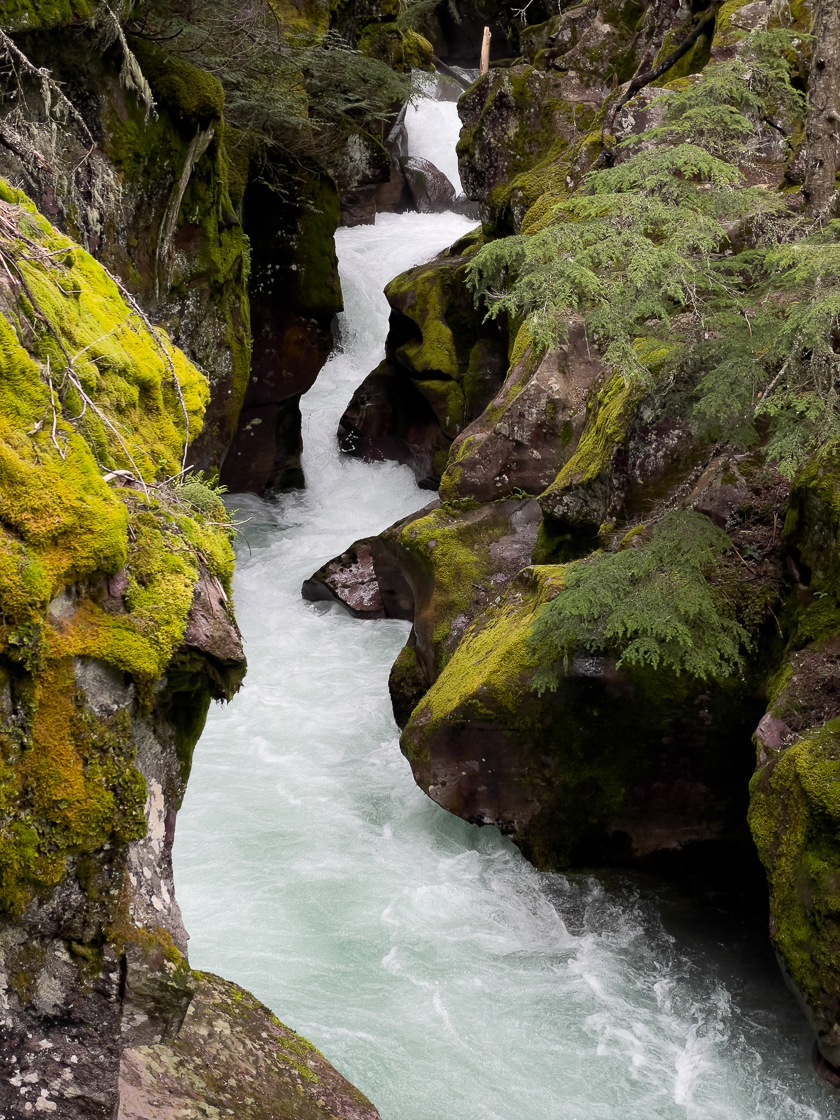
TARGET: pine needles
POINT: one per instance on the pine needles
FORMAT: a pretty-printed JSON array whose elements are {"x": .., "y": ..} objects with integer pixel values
[
  {"x": 647, "y": 605},
  {"x": 673, "y": 233}
]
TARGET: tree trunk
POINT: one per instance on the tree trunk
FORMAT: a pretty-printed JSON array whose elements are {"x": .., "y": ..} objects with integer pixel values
[{"x": 822, "y": 132}]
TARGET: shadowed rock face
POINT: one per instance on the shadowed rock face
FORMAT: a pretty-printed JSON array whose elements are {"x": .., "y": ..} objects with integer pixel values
[
  {"x": 295, "y": 294},
  {"x": 235, "y": 1058},
  {"x": 431, "y": 191}
]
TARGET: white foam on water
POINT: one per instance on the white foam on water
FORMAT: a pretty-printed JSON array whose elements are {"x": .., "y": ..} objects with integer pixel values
[
  {"x": 433, "y": 128},
  {"x": 437, "y": 969}
]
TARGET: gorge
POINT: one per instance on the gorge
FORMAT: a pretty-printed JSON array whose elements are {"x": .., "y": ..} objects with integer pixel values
[
  {"x": 494, "y": 417},
  {"x": 440, "y": 972}
]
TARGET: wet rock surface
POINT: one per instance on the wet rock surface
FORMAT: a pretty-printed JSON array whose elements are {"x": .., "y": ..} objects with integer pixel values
[
  {"x": 443, "y": 364},
  {"x": 366, "y": 579},
  {"x": 233, "y": 1057},
  {"x": 430, "y": 189}
]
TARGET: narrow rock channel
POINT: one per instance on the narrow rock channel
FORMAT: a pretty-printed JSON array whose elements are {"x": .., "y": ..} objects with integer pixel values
[{"x": 429, "y": 961}]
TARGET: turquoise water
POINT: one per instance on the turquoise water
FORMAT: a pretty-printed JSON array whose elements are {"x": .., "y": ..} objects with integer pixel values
[{"x": 436, "y": 968}]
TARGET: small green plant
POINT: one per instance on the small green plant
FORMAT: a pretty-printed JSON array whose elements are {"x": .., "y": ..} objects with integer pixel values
[{"x": 652, "y": 604}]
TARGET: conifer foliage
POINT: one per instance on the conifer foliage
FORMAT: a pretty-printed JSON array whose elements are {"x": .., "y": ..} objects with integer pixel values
[
  {"x": 650, "y": 605},
  {"x": 672, "y": 242}
]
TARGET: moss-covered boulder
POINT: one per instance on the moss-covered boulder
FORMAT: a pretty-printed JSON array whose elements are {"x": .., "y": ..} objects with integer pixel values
[
  {"x": 794, "y": 811},
  {"x": 443, "y": 365},
  {"x": 614, "y": 766},
  {"x": 116, "y": 633},
  {"x": 530, "y": 428},
  {"x": 457, "y": 559},
  {"x": 518, "y": 129}
]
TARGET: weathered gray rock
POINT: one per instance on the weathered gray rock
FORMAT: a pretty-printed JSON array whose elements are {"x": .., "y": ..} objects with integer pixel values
[
  {"x": 430, "y": 189},
  {"x": 234, "y": 1058},
  {"x": 529, "y": 429}
]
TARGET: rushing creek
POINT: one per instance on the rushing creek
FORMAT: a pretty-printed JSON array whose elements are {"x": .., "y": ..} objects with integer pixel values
[{"x": 434, "y": 967}]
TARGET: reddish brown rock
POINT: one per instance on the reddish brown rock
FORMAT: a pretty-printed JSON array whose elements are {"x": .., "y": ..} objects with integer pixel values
[
  {"x": 443, "y": 365},
  {"x": 528, "y": 430},
  {"x": 367, "y": 578},
  {"x": 389, "y": 418}
]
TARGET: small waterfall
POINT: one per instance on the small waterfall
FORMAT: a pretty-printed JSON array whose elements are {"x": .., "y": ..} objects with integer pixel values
[
  {"x": 433, "y": 128},
  {"x": 435, "y": 967}
]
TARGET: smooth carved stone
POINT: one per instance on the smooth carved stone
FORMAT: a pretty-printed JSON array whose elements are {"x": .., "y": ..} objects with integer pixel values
[
  {"x": 234, "y": 1058},
  {"x": 430, "y": 188},
  {"x": 389, "y": 418}
]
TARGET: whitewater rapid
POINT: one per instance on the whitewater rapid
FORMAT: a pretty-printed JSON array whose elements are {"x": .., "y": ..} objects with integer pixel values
[{"x": 434, "y": 967}]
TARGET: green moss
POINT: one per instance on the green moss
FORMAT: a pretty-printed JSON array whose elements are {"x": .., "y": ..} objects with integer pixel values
[
  {"x": 605, "y": 430},
  {"x": 692, "y": 62},
  {"x": 726, "y": 34},
  {"x": 450, "y": 553},
  {"x": 447, "y": 401},
  {"x": 176, "y": 83},
  {"x": 28, "y": 15},
  {"x": 67, "y": 780},
  {"x": 794, "y": 816},
  {"x": 399, "y": 49}
]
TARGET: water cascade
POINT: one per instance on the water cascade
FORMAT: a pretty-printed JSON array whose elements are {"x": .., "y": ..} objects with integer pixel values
[{"x": 435, "y": 967}]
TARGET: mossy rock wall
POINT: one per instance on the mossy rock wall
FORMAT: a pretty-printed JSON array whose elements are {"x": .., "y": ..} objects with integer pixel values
[
  {"x": 189, "y": 268},
  {"x": 116, "y": 633},
  {"x": 793, "y": 808},
  {"x": 613, "y": 767}
]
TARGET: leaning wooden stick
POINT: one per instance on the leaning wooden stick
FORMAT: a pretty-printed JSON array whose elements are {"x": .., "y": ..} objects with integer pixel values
[{"x": 485, "y": 52}]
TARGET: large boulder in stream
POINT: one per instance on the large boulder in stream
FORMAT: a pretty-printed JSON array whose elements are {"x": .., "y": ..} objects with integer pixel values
[
  {"x": 367, "y": 578},
  {"x": 443, "y": 365},
  {"x": 530, "y": 428},
  {"x": 430, "y": 189}
]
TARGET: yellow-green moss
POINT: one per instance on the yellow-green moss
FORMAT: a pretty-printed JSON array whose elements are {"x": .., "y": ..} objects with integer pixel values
[
  {"x": 67, "y": 780},
  {"x": 191, "y": 91},
  {"x": 605, "y": 430},
  {"x": 41, "y": 15},
  {"x": 795, "y": 821},
  {"x": 401, "y": 50}
]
